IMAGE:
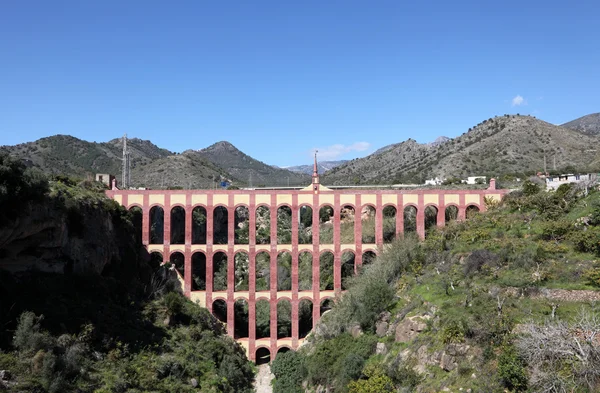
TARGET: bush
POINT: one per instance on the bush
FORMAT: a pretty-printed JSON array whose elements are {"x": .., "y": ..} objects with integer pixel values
[
  {"x": 289, "y": 371},
  {"x": 511, "y": 369},
  {"x": 587, "y": 240}
]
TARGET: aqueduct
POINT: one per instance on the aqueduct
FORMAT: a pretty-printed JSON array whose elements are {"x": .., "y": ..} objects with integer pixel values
[{"x": 277, "y": 257}]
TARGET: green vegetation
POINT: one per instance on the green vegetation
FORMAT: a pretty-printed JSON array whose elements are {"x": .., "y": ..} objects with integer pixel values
[{"x": 499, "y": 300}]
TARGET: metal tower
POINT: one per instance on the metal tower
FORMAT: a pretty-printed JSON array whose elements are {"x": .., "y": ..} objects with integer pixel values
[{"x": 125, "y": 183}]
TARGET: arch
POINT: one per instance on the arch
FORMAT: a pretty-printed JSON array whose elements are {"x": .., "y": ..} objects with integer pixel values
[
  {"x": 410, "y": 218},
  {"x": 136, "y": 215},
  {"x": 451, "y": 213},
  {"x": 177, "y": 225},
  {"x": 263, "y": 268},
  {"x": 219, "y": 310},
  {"x": 157, "y": 225},
  {"x": 156, "y": 260},
  {"x": 241, "y": 225},
  {"x": 389, "y": 223},
  {"x": 241, "y": 271},
  {"x": 471, "y": 210},
  {"x": 431, "y": 214},
  {"x": 347, "y": 222},
  {"x": 284, "y": 318},
  {"x": 284, "y": 271},
  {"x": 220, "y": 225},
  {"x": 178, "y": 261},
  {"x": 199, "y": 225},
  {"x": 326, "y": 271},
  {"x": 305, "y": 317},
  {"x": 263, "y": 356},
  {"x": 325, "y": 305},
  {"x": 367, "y": 216},
  {"x": 305, "y": 262},
  {"x": 219, "y": 271},
  {"x": 326, "y": 225},
  {"x": 368, "y": 257},
  {"x": 283, "y": 349},
  {"x": 284, "y": 225},
  {"x": 263, "y": 318},
  {"x": 305, "y": 221},
  {"x": 348, "y": 267},
  {"x": 198, "y": 271},
  {"x": 263, "y": 225},
  {"x": 240, "y": 318}
]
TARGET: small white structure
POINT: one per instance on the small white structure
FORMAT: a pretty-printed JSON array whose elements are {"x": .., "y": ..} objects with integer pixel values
[
  {"x": 553, "y": 182},
  {"x": 473, "y": 179},
  {"x": 433, "y": 182}
]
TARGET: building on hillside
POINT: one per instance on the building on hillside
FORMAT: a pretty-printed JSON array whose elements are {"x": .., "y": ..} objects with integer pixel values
[
  {"x": 106, "y": 179},
  {"x": 553, "y": 182},
  {"x": 474, "y": 180},
  {"x": 433, "y": 182}
]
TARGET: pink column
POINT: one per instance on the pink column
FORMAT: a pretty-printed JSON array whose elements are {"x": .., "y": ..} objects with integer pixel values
[
  {"x": 358, "y": 230},
  {"x": 421, "y": 217},
  {"x": 337, "y": 260},
  {"x": 188, "y": 244},
  {"x": 167, "y": 220},
  {"x": 379, "y": 221},
  {"x": 146, "y": 220},
  {"x": 252, "y": 278},
  {"x": 316, "y": 262},
  {"x": 462, "y": 208},
  {"x": 294, "y": 252}
]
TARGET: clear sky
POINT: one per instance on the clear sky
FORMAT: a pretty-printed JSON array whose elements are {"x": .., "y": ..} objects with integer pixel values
[{"x": 280, "y": 78}]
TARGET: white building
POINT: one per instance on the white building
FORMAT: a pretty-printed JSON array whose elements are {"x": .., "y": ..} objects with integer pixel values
[
  {"x": 553, "y": 182},
  {"x": 473, "y": 179},
  {"x": 433, "y": 182}
]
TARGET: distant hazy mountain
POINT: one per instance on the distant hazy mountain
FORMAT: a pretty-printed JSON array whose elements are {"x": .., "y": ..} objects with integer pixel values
[
  {"x": 248, "y": 170},
  {"x": 322, "y": 166},
  {"x": 589, "y": 124}
]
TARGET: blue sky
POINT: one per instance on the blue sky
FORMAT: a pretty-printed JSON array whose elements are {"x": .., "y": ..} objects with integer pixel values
[{"x": 280, "y": 78}]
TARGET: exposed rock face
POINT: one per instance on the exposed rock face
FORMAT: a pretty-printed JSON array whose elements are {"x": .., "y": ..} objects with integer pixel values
[
  {"x": 50, "y": 238},
  {"x": 409, "y": 328}
]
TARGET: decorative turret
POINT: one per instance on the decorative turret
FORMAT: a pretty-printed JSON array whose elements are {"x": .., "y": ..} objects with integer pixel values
[{"x": 315, "y": 175}]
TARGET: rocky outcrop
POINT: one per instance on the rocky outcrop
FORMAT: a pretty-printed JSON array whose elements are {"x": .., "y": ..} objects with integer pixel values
[{"x": 409, "y": 328}]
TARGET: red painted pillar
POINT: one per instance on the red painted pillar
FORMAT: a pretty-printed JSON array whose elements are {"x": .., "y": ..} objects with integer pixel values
[
  {"x": 210, "y": 216},
  {"x": 273, "y": 275},
  {"x": 230, "y": 267},
  {"x": 295, "y": 323},
  {"x": 316, "y": 260},
  {"x": 421, "y": 217},
  {"x": 400, "y": 215},
  {"x": 441, "y": 215},
  {"x": 462, "y": 208},
  {"x": 188, "y": 244},
  {"x": 379, "y": 221},
  {"x": 337, "y": 264},
  {"x": 252, "y": 278},
  {"x": 167, "y": 220},
  {"x": 358, "y": 230},
  {"x": 146, "y": 220},
  {"x": 295, "y": 320},
  {"x": 209, "y": 250}
]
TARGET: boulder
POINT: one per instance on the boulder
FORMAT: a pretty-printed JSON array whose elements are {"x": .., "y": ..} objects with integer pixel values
[{"x": 409, "y": 329}]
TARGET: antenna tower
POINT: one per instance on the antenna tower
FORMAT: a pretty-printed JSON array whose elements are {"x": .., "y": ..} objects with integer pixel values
[{"x": 126, "y": 165}]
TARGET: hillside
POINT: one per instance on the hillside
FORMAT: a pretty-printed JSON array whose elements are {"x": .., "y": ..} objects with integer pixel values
[
  {"x": 589, "y": 124},
  {"x": 502, "y": 145},
  {"x": 505, "y": 301},
  {"x": 245, "y": 168},
  {"x": 322, "y": 166}
]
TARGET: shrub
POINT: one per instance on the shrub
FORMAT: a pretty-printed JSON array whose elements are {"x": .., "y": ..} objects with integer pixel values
[
  {"x": 289, "y": 371},
  {"x": 587, "y": 240},
  {"x": 511, "y": 369},
  {"x": 556, "y": 230}
]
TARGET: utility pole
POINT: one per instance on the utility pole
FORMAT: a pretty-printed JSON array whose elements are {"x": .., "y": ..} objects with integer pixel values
[
  {"x": 250, "y": 180},
  {"x": 126, "y": 178}
]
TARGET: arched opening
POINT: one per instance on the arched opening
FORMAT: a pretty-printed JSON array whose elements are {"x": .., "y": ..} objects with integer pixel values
[
  {"x": 283, "y": 350},
  {"x": 451, "y": 213},
  {"x": 305, "y": 220},
  {"x": 263, "y": 356},
  {"x": 242, "y": 227},
  {"x": 263, "y": 319},
  {"x": 284, "y": 271},
  {"x": 368, "y": 224},
  {"x": 178, "y": 225},
  {"x": 178, "y": 261},
  {"x": 136, "y": 219},
  {"x": 389, "y": 224},
  {"x": 198, "y": 271},
  {"x": 347, "y": 219},
  {"x": 471, "y": 211},
  {"x": 284, "y": 319},
  {"x": 326, "y": 305},
  {"x": 367, "y": 258},
  {"x": 219, "y": 310},
  {"x": 240, "y": 324},
  {"x": 431, "y": 213},
  {"x": 220, "y": 271},
  {"x": 410, "y": 219},
  {"x": 326, "y": 271},
  {"x": 263, "y": 225},
  {"x": 241, "y": 266},
  {"x": 305, "y": 317},
  {"x": 284, "y": 225},
  {"x": 263, "y": 267},
  {"x": 156, "y": 259},
  {"x": 199, "y": 225},
  {"x": 157, "y": 225},
  {"x": 305, "y": 261},
  {"x": 220, "y": 221},
  {"x": 326, "y": 225},
  {"x": 347, "y": 268}
]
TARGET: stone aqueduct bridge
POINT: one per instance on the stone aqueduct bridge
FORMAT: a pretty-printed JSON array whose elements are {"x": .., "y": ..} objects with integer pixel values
[{"x": 316, "y": 196}]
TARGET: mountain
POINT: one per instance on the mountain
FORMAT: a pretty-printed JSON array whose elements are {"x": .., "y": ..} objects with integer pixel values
[
  {"x": 589, "y": 124},
  {"x": 322, "y": 166},
  {"x": 248, "y": 170},
  {"x": 506, "y": 144}
]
